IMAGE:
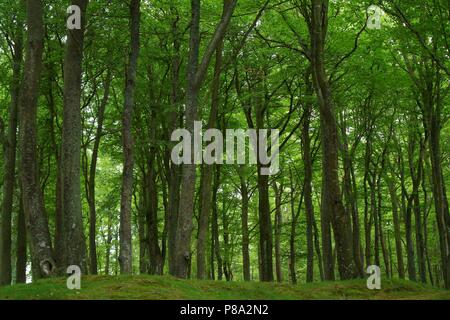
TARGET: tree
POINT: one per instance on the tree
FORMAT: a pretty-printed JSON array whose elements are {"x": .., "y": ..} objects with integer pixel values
[
  {"x": 195, "y": 76},
  {"x": 74, "y": 249},
  {"x": 127, "y": 140},
  {"x": 32, "y": 197}
]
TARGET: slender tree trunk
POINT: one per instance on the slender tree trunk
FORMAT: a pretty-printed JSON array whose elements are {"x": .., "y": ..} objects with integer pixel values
[
  {"x": 54, "y": 131},
  {"x": 309, "y": 208},
  {"x": 174, "y": 170},
  {"x": 384, "y": 247},
  {"x": 265, "y": 220},
  {"x": 397, "y": 234},
  {"x": 195, "y": 76},
  {"x": 332, "y": 207},
  {"x": 21, "y": 248},
  {"x": 432, "y": 120},
  {"x": 215, "y": 223},
  {"x": 126, "y": 253},
  {"x": 278, "y": 226},
  {"x": 417, "y": 178},
  {"x": 292, "y": 236},
  {"x": 73, "y": 237},
  {"x": 142, "y": 226},
  {"x": 92, "y": 174},
  {"x": 367, "y": 211},
  {"x": 244, "y": 226},
  {"x": 32, "y": 196},
  {"x": 9, "y": 177},
  {"x": 109, "y": 238},
  {"x": 350, "y": 199},
  {"x": 206, "y": 176},
  {"x": 156, "y": 261},
  {"x": 409, "y": 240},
  {"x": 318, "y": 251}
]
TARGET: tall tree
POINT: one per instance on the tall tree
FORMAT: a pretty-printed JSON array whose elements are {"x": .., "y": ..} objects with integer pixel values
[
  {"x": 195, "y": 75},
  {"x": 332, "y": 207},
  {"x": 9, "y": 147},
  {"x": 74, "y": 250},
  {"x": 32, "y": 196},
  {"x": 126, "y": 253}
]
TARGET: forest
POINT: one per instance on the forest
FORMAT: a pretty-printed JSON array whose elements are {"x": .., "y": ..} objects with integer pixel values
[{"x": 93, "y": 91}]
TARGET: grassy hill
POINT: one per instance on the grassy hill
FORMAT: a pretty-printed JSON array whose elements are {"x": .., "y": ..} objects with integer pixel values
[{"x": 165, "y": 287}]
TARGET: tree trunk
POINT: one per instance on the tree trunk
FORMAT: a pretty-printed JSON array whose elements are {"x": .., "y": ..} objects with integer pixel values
[
  {"x": 156, "y": 261},
  {"x": 309, "y": 208},
  {"x": 92, "y": 174},
  {"x": 206, "y": 176},
  {"x": 332, "y": 207},
  {"x": 397, "y": 234},
  {"x": 278, "y": 226},
  {"x": 9, "y": 177},
  {"x": 215, "y": 223},
  {"x": 195, "y": 76},
  {"x": 126, "y": 253},
  {"x": 350, "y": 199},
  {"x": 432, "y": 119},
  {"x": 172, "y": 169},
  {"x": 244, "y": 226},
  {"x": 21, "y": 248},
  {"x": 73, "y": 237},
  {"x": 32, "y": 196}
]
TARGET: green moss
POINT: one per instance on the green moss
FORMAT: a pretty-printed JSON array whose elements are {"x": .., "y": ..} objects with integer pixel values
[{"x": 165, "y": 287}]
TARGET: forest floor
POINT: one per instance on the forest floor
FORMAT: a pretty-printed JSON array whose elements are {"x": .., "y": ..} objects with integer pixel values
[{"x": 160, "y": 288}]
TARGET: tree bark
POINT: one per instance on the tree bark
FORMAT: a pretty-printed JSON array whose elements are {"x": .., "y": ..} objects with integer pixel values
[
  {"x": 92, "y": 174},
  {"x": 278, "y": 228},
  {"x": 244, "y": 226},
  {"x": 126, "y": 253},
  {"x": 332, "y": 207},
  {"x": 195, "y": 76},
  {"x": 206, "y": 175},
  {"x": 309, "y": 207},
  {"x": 32, "y": 196},
  {"x": 10, "y": 144},
  {"x": 397, "y": 234},
  {"x": 73, "y": 235},
  {"x": 21, "y": 248},
  {"x": 173, "y": 170}
]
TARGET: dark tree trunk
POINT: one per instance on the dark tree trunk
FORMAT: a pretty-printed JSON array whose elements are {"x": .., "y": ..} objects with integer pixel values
[
  {"x": 408, "y": 228},
  {"x": 215, "y": 224},
  {"x": 265, "y": 220},
  {"x": 126, "y": 253},
  {"x": 292, "y": 236},
  {"x": 432, "y": 118},
  {"x": 397, "y": 234},
  {"x": 278, "y": 227},
  {"x": 350, "y": 199},
  {"x": 309, "y": 208},
  {"x": 10, "y": 144},
  {"x": 172, "y": 169},
  {"x": 142, "y": 226},
  {"x": 416, "y": 176},
  {"x": 367, "y": 211},
  {"x": 155, "y": 255}
]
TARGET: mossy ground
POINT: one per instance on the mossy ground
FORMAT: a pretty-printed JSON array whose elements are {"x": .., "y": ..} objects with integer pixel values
[{"x": 165, "y": 287}]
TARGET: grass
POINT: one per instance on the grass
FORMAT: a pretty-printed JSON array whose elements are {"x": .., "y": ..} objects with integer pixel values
[{"x": 147, "y": 287}]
